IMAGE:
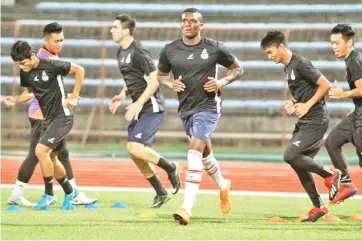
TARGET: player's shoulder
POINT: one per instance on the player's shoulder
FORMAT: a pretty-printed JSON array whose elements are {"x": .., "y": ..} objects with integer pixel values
[
  {"x": 356, "y": 56},
  {"x": 211, "y": 42},
  {"x": 174, "y": 44},
  {"x": 301, "y": 60}
]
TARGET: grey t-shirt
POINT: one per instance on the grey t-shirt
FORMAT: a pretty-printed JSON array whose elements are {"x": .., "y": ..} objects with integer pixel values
[
  {"x": 302, "y": 79},
  {"x": 354, "y": 72},
  {"x": 135, "y": 63},
  {"x": 195, "y": 64},
  {"x": 46, "y": 82}
]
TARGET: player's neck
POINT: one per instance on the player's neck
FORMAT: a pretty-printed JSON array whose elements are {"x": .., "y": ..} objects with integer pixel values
[
  {"x": 287, "y": 58},
  {"x": 46, "y": 49},
  {"x": 36, "y": 62},
  {"x": 126, "y": 42},
  {"x": 348, "y": 53},
  {"x": 193, "y": 41}
]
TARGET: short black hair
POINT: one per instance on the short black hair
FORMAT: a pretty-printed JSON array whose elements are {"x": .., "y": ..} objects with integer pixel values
[
  {"x": 21, "y": 50},
  {"x": 274, "y": 38},
  {"x": 344, "y": 29},
  {"x": 127, "y": 22},
  {"x": 52, "y": 28},
  {"x": 191, "y": 10}
]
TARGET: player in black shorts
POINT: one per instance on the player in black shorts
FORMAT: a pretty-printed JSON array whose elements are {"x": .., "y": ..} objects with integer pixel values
[
  {"x": 43, "y": 78},
  {"x": 147, "y": 112},
  {"x": 308, "y": 88},
  {"x": 350, "y": 128}
]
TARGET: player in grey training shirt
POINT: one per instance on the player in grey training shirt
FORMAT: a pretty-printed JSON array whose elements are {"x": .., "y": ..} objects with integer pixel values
[
  {"x": 146, "y": 113},
  {"x": 350, "y": 128},
  {"x": 193, "y": 62},
  {"x": 43, "y": 78},
  {"x": 308, "y": 88}
]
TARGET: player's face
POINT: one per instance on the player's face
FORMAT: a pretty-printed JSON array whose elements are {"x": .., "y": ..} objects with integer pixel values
[
  {"x": 274, "y": 53},
  {"x": 117, "y": 31},
  {"x": 340, "y": 46},
  {"x": 54, "y": 42},
  {"x": 27, "y": 64},
  {"x": 191, "y": 24}
]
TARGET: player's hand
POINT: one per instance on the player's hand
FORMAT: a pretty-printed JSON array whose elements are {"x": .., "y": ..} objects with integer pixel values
[
  {"x": 133, "y": 110},
  {"x": 177, "y": 84},
  {"x": 336, "y": 93},
  {"x": 212, "y": 85},
  {"x": 301, "y": 109},
  {"x": 289, "y": 107},
  {"x": 115, "y": 102},
  {"x": 9, "y": 101},
  {"x": 71, "y": 102}
]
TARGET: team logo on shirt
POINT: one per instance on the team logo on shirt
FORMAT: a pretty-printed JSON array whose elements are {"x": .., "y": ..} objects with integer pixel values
[
  {"x": 44, "y": 76},
  {"x": 36, "y": 78},
  {"x": 292, "y": 76},
  {"x": 204, "y": 54},
  {"x": 191, "y": 56},
  {"x": 122, "y": 60},
  {"x": 128, "y": 59}
]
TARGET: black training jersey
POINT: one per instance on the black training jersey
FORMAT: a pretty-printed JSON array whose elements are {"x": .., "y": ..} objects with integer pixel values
[
  {"x": 354, "y": 72},
  {"x": 302, "y": 79},
  {"x": 195, "y": 64},
  {"x": 46, "y": 82},
  {"x": 135, "y": 64}
]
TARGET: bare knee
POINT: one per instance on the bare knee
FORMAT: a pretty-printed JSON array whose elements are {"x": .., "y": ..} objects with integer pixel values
[
  {"x": 134, "y": 148},
  {"x": 42, "y": 151}
]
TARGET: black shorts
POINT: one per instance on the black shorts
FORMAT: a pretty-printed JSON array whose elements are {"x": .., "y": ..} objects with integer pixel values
[
  {"x": 351, "y": 128},
  {"x": 308, "y": 137},
  {"x": 53, "y": 134}
]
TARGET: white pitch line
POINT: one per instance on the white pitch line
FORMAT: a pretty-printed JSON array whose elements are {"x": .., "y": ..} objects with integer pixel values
[{"x": 132, "y": 189}]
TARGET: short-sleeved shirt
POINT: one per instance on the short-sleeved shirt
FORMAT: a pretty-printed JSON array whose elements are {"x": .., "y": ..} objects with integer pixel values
[
  {"x": 46, "y": 82},
  {"x": 43, "y": 54},
  {"x": 302, "y": 79},
  {"x": 135, "y": 63},
  {"x": 354, "y": 72},
  {"x": 195, "y": 64}
]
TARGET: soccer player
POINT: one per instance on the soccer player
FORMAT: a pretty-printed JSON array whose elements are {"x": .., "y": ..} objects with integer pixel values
[
  {"x": 147, "y": 112},
  {"x": 193, "y": 61},
  {"x": 43, "y": 78},
  {"x": 350, "y": 128},
  {"x": 53, "y": 42},
  {"x": 308, "y": 88}
]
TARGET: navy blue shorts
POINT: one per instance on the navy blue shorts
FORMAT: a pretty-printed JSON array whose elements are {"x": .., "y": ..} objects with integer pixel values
[
  {"x": 144, "y": 129},
  {"x": 201, "y": 125}
]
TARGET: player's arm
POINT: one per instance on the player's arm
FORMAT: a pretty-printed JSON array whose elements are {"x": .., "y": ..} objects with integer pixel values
[
  {"x": 152, "y": 87},
  {"x": 235, "y": 71},
  {"x": 25, "y": 96},
  {"x": 78, "y": 72},
  {"x": 338, "y": 93}
]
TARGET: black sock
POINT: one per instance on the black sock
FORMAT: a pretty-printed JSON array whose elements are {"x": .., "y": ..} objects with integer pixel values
[
  {"x": 167, "y": 166},
  {"x": 64, "y": 182},
  {"x": 48, "y": 181},
  {"x": 156, "y": 184},
  {"x": 345, "y": 178}
]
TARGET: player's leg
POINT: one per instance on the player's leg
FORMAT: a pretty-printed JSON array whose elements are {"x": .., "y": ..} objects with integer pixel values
[
  {"x": 149, "y": 172},
  {"x": 339, "y": 136},
  {"x": 212, "y": 167},
  {"x": 80, "y": 198},
  {"x": 27, "y": 167},
  {"x": 141, "y": 135},
  {"x": 307, "y": 137},
  {"x": 199, "y": 127}
]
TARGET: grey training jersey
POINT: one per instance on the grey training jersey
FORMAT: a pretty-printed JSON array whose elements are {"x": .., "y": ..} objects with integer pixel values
[
  {"x": 46, "y": 82},
  {"x": 195, "y": 64},
  {"x": 354, "y": 72},
  {"x": 135, "y": 63},
  {"x": 302, "y": 79}
]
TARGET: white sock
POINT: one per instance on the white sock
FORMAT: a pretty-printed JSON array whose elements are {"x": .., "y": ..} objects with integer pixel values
[
  {"x": 212, "y": 167},
  {"x": 18, "y": 191},
  {"x": 193, "y": 179},
  {"x": 72, "y": 182}
]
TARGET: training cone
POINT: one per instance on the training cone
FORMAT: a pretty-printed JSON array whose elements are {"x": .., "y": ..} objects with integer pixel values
[
  {"x": 120, "y": 205},
  {"x": 92, "y": 206},
  {"x": 148, "y": 214},
  {"x": 301, "y": 218},
  {"x": 14, "y": 208},
  {"x": 331, "y": 218},
  {"x": 356, "y": 217},
  {"x": 276, "y": 220}
]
